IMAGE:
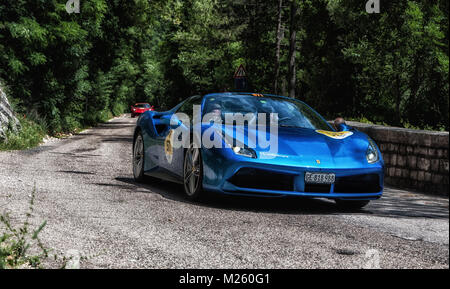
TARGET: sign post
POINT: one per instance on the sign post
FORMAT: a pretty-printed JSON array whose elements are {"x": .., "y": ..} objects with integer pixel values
[{"x": 240, "y": 78}]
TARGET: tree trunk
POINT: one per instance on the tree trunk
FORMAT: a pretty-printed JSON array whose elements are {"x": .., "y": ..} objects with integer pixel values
[
  {"x": 293, "y": 34},
  {"x": 398, "y": 98},
  {"x": 280, "y": 35}
]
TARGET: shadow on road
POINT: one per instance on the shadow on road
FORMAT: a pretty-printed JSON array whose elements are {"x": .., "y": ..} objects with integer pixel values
[
  {"x": 392, "y": 205},
  {"x": 397, "y": 203},
  {"x": 281, "y": 205},
  {"x": 118, "y": 139},
  {"x": 76, "y": 172},
  {"x": 115, "y": 125}
]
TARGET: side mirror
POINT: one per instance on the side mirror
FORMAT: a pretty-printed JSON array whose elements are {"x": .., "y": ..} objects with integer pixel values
[
  {"x": 340, "y": 125},
  {"x": 175, "y": 122},
  {"x": 171, "y": 120}
]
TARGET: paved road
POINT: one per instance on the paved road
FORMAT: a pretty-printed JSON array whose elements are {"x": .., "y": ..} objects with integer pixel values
[{"x": 86, "y": 192}]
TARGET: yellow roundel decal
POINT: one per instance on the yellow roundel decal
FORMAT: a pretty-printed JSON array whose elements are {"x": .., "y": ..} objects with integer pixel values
[
  {"x": 168, "y": 147},
  {"x": 335, "y": 134}
]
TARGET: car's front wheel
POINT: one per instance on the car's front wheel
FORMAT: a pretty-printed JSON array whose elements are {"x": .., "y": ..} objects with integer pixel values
[
  {"x": 138, "y": 158},
  {"x": 351, "y": 205},
  {"x": 193, "y": 172}
]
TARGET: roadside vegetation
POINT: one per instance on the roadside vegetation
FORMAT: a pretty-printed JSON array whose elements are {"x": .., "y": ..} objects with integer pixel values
[
  {"x": 22, "y": 248},
  {"x": 77, "y": 70},
  {"x": 31, "y": 134},
  {"x": 16, "y": 241}
]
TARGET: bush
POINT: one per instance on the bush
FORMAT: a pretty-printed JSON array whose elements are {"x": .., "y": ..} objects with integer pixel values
[
  {"x": 118, "y": 108},
  {"x": 31, "y": 134}
]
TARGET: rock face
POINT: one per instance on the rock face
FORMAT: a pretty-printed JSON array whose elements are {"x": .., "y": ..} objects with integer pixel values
[{"x": 7, "y": 118}]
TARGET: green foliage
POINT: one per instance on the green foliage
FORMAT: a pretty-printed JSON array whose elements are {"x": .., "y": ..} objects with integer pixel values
[
  {"x": 398, "y": 62},
  {"x": 33, "y": 130},
  {"x": 390, "y": 67},
  {"x": 77, "y": 69}
]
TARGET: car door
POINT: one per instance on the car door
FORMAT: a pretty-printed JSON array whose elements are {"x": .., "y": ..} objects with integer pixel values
[{"x": 172, "y": 160}]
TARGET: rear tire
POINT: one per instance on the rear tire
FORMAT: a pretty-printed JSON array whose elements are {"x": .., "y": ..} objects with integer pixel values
[
  {"x": 351, "y": 205},
  {"x": 138, "y": 158},
  {"x": 193, "y": 173}
]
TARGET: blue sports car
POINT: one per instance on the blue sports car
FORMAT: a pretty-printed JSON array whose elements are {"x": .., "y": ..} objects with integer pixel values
[{"x": 257, "y": 145}]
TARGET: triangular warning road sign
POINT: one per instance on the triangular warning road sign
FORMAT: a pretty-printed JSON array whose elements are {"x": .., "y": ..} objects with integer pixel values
[{"x": 240, "y": 72}]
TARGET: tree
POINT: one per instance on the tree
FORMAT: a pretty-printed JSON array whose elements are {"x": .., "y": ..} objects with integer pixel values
[
  {"x": 280, "y": 36},
  {"x": 292, "y": 48}
]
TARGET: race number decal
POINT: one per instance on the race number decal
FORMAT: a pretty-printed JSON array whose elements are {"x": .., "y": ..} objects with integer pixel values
[
  {"x": 168, "y": 147},
  {"x": 335, "y": 134}
]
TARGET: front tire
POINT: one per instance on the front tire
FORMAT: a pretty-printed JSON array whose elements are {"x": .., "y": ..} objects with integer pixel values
[
  {"x": 193, "y": 173},
  {"x": 138, "y": 158},
  {"x": 351, "y": 205}
]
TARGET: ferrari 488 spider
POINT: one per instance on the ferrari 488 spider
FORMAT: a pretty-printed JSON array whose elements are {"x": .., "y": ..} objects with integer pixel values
[{"x": 257, "y": 145}]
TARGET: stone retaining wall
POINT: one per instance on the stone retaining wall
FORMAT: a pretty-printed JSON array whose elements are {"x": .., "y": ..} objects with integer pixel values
[{"x": 414, "y": 159}]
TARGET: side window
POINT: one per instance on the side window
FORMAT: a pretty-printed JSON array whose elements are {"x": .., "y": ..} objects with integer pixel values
[{"x": 187, "y": 107}]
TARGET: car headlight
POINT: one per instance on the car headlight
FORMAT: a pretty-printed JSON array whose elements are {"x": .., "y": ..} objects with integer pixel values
[
  {"x": 246, "y": 152},
  {"x": 238, "y": 149},
  {"x": 372, "y": 153}
]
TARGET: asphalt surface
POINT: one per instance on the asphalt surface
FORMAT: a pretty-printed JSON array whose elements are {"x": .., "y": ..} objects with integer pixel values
[{"x": 86, "y": 192}]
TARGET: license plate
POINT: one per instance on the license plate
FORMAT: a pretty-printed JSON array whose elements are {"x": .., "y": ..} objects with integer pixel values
[{"x": 319, "y": 178}]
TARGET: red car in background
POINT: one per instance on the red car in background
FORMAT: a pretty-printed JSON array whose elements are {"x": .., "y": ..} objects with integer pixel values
[{"x": 140, "y": 108}]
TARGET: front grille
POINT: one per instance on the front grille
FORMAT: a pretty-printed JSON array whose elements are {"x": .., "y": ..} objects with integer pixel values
[
  {"x": 369, "y": 183},
  {"x": 317, "y": 188},
  {"x": 252, "y": 178}
]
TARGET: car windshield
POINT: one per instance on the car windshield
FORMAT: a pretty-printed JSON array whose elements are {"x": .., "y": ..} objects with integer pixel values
[
  {"x": 291, "y": 113},
  {"x": 143, "y": 105}
]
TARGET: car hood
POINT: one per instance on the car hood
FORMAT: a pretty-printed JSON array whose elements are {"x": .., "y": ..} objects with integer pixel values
[{"x": 307, "y": 147}]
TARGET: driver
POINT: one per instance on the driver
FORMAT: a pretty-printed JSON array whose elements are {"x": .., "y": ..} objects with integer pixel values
[
  {"x": 338, "y": 122},
  {"x": 216, "y": 110}
]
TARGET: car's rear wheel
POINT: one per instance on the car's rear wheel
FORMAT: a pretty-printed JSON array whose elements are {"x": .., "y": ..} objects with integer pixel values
[
  {"x": 193, "y": 173},
  {"x": 351, "y": 205},
  {"x": 138, "y": 158}
]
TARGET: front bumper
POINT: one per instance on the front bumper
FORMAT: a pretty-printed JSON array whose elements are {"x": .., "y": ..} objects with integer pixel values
[{"x": 241, "y": 176}]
